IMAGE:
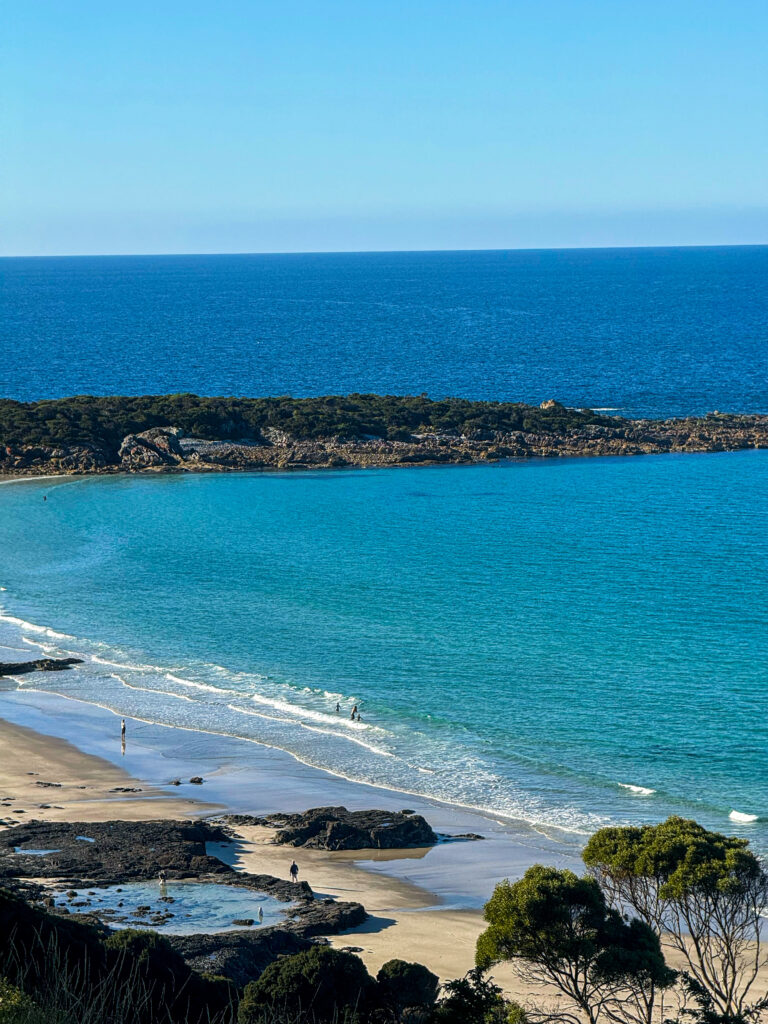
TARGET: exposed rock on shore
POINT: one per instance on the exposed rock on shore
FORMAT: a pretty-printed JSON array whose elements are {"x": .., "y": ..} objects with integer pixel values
[
  {"x": 20, "y": 668},
  {"x": 336, "y": 828},
  {"x": 111, "y": 851},
  {"x": 92, "y": 854}
]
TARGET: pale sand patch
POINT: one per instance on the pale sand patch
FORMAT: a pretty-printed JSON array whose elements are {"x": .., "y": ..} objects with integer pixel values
[
  {"x": 85, "y": 784},
  {"x": 399, "y": 925}
]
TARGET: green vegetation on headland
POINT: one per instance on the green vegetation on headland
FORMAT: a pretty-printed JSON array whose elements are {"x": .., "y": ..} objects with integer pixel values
[
  {"x": 87, "y": 434},
  {"x": 85, "y": 419},
  {"x": 596, "y": 944}
]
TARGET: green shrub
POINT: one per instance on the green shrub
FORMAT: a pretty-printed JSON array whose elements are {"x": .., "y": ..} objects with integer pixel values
[
  {"x": 472, "y": 999},
  {"x": 15, "y": 1007},
  {"x": 320, "y": 984},
  {"x": 404, "y": 985}
]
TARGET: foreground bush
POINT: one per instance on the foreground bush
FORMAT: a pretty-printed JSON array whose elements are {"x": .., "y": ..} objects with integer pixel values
[
  {"x": 475, "y": 1000},
  {"x": 319, "y": 985},
  {"x": 404, "y": 986}
]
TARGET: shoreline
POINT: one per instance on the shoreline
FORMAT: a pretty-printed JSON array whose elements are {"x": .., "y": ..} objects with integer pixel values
[
  {"x": 247, "y": 777},
  {"x": 409, "y": 913},
  {"x": 424, "y": 904}
]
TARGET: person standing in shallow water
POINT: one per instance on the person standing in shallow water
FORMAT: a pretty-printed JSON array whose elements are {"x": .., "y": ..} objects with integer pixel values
[
  {"x": 354, "y": 712},
  {"x": 294, "y": 869}
]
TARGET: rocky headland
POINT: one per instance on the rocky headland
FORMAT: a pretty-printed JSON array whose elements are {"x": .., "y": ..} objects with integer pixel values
[{"x": 190, "y": 434}]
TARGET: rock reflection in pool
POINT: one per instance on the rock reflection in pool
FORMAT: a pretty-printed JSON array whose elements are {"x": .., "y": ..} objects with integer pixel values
[{"x": 178, "y": 908}]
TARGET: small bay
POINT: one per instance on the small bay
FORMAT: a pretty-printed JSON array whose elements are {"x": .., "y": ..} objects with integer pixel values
[{"x": 569, "y": 642}]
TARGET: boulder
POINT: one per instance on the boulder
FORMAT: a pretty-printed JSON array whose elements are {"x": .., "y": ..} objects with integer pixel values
[
  {"x": 151, "y": 449},
  {"x": 336, "y": 828}
]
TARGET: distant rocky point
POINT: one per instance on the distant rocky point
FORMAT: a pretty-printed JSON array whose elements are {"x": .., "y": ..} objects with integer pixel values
[{"x": 177, "y": 433}]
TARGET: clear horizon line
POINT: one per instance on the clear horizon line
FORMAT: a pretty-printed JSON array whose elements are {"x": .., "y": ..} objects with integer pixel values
[{"x": 373, "y": 252}]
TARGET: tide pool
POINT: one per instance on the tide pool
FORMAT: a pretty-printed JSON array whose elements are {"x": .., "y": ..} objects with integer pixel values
[{"x": 568, "y": 642}]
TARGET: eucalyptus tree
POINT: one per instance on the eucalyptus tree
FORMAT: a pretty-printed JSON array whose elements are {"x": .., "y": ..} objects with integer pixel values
[
  {"x": 558, "y": 930},
  {"x": 702, "y": 893}
]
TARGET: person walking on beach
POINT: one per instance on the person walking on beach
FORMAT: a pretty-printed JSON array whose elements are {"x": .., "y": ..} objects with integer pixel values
[
  {"x": 294, "y": 869},
  {"x": 122, "y": 735},
  {"x": 260, "y": 915}
]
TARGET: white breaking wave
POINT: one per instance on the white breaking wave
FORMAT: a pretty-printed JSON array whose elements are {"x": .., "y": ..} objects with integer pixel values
[
  {"x": 315, "y": 716},
  {"x": 742, "y": 817},
  {"x": 640, "y": 790},
  {"x": 199, "y": 686},
  {"x": 34, "y": 628},
  {"x": 126, "y": 668},
  {"x": 150, "y": 689},
  {"x": 351, "y": 739}
]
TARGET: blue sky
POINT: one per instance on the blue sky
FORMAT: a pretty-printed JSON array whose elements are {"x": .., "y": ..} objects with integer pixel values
[{"x": 290, "y": 126}]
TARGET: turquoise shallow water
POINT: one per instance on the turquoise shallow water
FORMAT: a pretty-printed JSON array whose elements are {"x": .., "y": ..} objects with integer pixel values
[
  {"x": 192, "y": 907},
  {"x": 573, "y": 642}
]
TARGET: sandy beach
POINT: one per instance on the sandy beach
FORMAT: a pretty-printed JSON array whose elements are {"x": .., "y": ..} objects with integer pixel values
[
  {"x": 46, "y": 777},
  {"x": 408, "y": 918}
]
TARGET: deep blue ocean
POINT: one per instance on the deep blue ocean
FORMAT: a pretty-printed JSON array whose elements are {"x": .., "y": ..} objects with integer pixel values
[
  {"x": 569, "y": 642},
  {"x": 652, "y": 332}
]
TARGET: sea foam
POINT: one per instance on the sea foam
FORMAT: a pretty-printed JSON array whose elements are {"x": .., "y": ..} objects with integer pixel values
[
  {"x": 639, "y": 790},
  {"x": 743, "y": 818}
]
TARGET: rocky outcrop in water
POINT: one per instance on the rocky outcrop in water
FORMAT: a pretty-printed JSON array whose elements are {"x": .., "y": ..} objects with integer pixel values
[
  {"x": 20, "y": 668},
  {"x": 166, "y": 449},
  {"x": 336, "y": 828}
]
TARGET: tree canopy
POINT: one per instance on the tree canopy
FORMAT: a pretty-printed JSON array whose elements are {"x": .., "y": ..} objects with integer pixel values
[
  {"x": 105, "y": 421},
  {"x": 702, "y": 892},
  {"x": 558, "y": 929}
]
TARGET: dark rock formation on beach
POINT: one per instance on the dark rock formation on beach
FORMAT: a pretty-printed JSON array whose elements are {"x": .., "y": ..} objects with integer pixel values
[
  {"x": 336, "y": 828},
  {"x": 91, "y": 854},
  {"x": 111, "y": 851},
  {"x": 20, "y": 668},
  {"x": 177, "y": 433},
  {"x": 240, "y": 956}
]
